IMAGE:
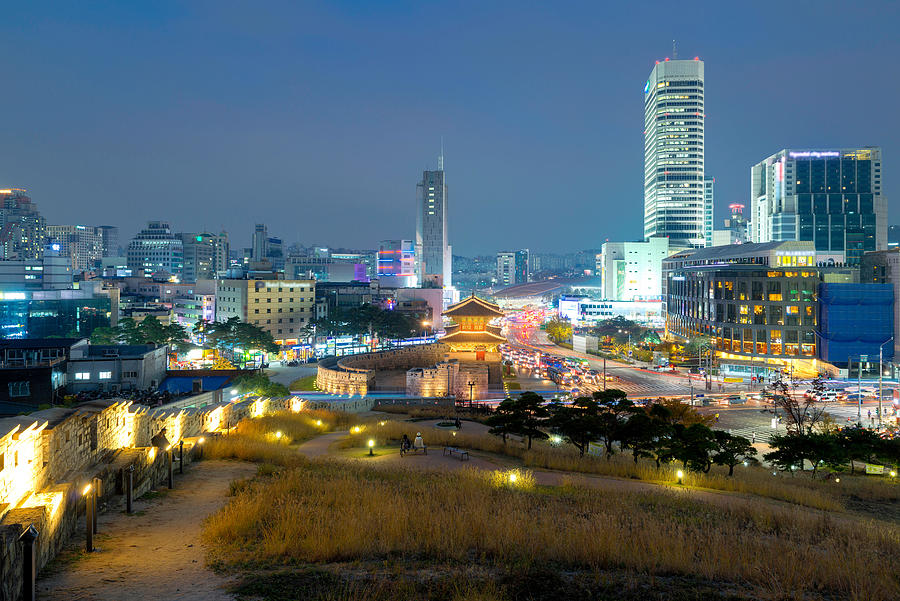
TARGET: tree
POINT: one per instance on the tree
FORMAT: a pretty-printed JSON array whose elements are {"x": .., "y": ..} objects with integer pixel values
[
  {"x": 731, "y": 449},
  {"x": 504, "y": 420},
  {"x": 578, "y": 423},
  {"x": 641, "y": 434},
  {"x": 803, "y": 413},
  {"x": 613, "y": 408},
  {"x": 558, "y": 329},
  {"x": 130, "y": 334},
  {"x": 531, "y": 416},
  {"x": 105, "y": 335},
  {"x": 259, "y": 384},
  {"x": 682, "y": 413},
  {"x": 792, "y": 450},
  {"x": 859, "y": 444}
]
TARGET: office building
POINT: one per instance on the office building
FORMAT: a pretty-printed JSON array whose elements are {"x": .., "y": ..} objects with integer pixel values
[
  {"x": 397, "y": 264},
  {"x": 709, "y": 195},
  {"x": 205, "y": 255},
  {"x": 281, "y": 307},
  {"x": 632, "y": 271},
  {"x": 82, "y": 244},
  {"x": 761, "y": 305},
  {"x": 674, "y": 184},
  {"x": 110, "y": 235},
  {"x": 512, "y": 267},
  {"x": 52, "y": 271},
  {"x": 832, "y": 198},
  {"x": 156, "y": 250},
  {"x": 433, "y": 251},
  {"x": 44, "y": 313},
  {"x": 260, "y": 243},
  {"x": 22, "y": 229}
]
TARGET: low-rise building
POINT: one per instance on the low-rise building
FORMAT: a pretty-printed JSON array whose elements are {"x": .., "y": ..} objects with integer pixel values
[
  {"x": 33, "y": 372},
  {"x": 757, "y": 303},
  {"x": 116, "y": 367}
]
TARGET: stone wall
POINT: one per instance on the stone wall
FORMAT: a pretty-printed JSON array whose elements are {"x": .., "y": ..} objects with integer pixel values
[
  {"x": 355, "y": 374},
  {"x": 453, "y": 375},
  {"x": 48, "y": 457}
]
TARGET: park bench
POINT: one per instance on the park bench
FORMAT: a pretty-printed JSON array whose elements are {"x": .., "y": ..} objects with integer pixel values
[
  {"x": 415, "y": 450},
  {"x": 462, "y": 454}
]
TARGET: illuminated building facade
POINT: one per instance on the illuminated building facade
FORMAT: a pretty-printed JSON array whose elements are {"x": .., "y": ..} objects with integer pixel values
[
  {"x": 633, "y": 270},
  {"x": 281, "y": 307},
  {"x": 756, "y": 302},
  {"x": 82, "y": 244},
  {"x": 205, "y": 255},
  {"x": 397, "y": 264},
  {"x": 832, "y": 198},
  {"x": 156, "y": 250},
  {"x": 22, "y": 229},
  {"x": 674, "y": 185},
  {"x": 471, "y": 330},
  {"x": 709, "y": 196}
]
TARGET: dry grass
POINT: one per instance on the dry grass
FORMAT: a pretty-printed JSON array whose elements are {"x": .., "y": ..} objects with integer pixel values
[
  {"x": 800, "y": 489},
  {"x": 339, "y": 511},
  {"x": 268, "y": 439}
]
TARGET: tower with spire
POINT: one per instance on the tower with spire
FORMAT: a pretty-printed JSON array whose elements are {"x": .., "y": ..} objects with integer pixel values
[{"x": 433, "y": 251}]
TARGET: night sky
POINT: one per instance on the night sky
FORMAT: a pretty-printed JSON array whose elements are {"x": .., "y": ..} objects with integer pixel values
[{"x": 319, "y": 118}]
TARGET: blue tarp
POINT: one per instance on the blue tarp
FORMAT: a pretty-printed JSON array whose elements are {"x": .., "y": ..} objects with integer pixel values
[
  {"x": 854, "y": 320},
  {"x": 184, "y": 384}
]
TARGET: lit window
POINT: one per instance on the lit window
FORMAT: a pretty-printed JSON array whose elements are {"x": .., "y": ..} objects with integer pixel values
[
  {"x": 83, "y": 375},
  {"x": 105, "y": 375}
]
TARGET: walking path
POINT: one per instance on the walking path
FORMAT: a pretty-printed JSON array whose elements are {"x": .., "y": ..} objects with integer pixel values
[{"x": 155, "y": 553}]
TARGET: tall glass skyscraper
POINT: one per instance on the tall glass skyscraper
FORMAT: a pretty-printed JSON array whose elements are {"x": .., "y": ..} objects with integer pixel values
[
  {"x": 673, "y": 153},
  {"x": 831, "y": 197},
  {"x": 433, "y": 253}
]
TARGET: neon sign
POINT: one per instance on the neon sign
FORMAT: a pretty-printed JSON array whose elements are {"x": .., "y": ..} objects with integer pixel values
[{"x": 814, "y": 154}]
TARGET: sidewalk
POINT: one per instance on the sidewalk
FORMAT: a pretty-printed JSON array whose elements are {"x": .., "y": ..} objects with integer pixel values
[{"x": 153, "y": 554}]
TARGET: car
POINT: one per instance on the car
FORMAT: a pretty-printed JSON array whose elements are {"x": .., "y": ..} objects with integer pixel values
[{"x": 734, "y": 399}]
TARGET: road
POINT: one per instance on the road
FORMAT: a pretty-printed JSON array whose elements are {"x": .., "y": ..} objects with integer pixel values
[{"x": 636, "y": 381}]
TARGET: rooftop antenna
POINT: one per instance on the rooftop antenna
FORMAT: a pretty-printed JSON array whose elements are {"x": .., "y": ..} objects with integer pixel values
[
  {"x": 674, "y": 50},
  {"x": 441, "y": 158}
]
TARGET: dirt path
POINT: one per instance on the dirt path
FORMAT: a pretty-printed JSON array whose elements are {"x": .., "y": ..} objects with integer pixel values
[{"x": 155, "y": 553}]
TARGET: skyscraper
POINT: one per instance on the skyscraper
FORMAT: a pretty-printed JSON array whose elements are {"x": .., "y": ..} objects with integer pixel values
[
  {"x": 512, "y": 267},
  {"x": 433, "y": 252},
  {"x": 110, "y": 240},
  {"x": 260, "y": 242},
  {"x": 831, "y": 197},
  {"x": 674, "y": 204}
]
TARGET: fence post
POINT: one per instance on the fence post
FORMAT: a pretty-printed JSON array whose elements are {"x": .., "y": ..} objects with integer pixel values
[
  {"x": 129, "y": 489},
  {"x": 181, "y": 456},
  {"x": 29, "y": 563}
]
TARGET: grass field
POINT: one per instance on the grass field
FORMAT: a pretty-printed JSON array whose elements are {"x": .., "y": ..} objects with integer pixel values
[
  {"x": 344, "y": 530},
  {"x": 800, "y": 489},
  {"x": 307, "y": 383}
]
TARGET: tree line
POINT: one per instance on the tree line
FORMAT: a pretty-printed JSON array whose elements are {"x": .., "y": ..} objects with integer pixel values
[
  {"x": 663, "y": 431},
  {"x": 369, "y": 319}
]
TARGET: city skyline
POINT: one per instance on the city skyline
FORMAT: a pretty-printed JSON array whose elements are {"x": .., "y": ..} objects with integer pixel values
[{"x": 223, "y": 154}]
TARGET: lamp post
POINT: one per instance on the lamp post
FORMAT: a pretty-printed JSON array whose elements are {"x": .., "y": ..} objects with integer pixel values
[
  {"x": 881, "y": 378},
  {"x": 425, "y": 325}
]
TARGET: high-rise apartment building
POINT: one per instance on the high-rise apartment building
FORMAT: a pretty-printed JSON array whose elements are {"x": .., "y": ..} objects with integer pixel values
[
  {"x": 433, "y": 251},
  {"x": 830, "y": 197},
  {"x": 512, "y": 267},
  {"x": 82, "y": 244},
  {"x": 709, "y": 196},
  {"x": 22, "y": 229},
  {"x": 156, "y": 250},
  {"x": 205, "y": 255},
  {"x": 674, "y": 187}
]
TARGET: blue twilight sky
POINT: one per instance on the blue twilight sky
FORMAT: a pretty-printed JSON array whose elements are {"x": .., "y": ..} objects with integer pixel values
[{"x": 318, "y": 118}]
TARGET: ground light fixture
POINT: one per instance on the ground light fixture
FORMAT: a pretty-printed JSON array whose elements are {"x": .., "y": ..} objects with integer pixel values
[
  {"x": 893, "y": 474},
  {"x": 371, "y": 445},
  {"x": 318, "y": 422},
  {"x": 513, "y": 477},
  {"x": 278, "y": 434},
  {"x": 680, "y": 475},
  {"x": 356, "y": 429}
]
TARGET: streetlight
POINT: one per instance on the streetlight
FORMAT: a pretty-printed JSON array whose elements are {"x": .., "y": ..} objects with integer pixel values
[
  {"x": 881, "y": 378},
  {"x": 425, "y": 325},
  {"x": 371, "y": 445},
  {"x": 680, "y": 475}
]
